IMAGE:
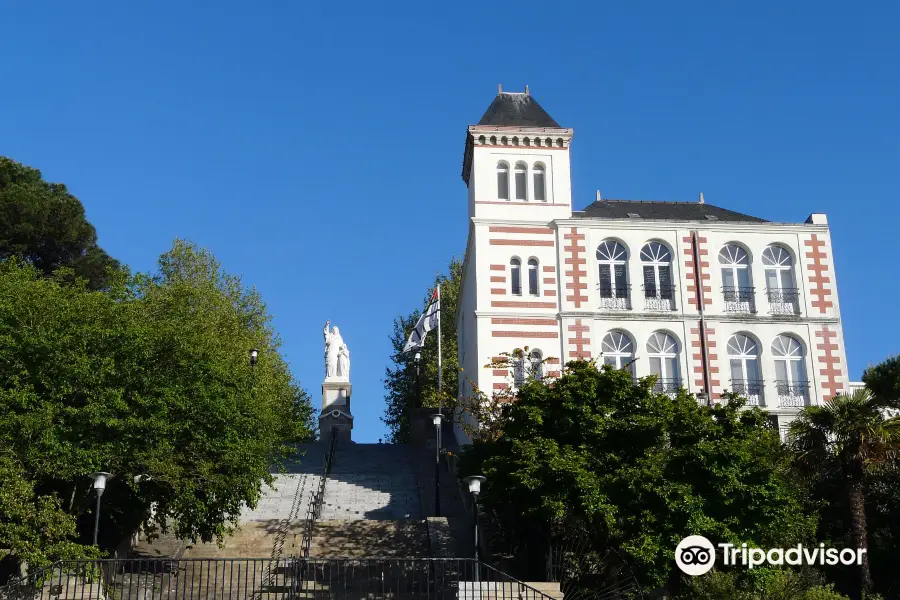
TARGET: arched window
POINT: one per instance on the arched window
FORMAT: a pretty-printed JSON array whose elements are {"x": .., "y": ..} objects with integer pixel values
[
  {"x": 613, "y": 260},
  {"x": 515, "y": 276},
  {"x": 539, "y": 183},
  {"x": 790, "y": 372},
  {"x": 737, "y": 286},
  {"x": 743, "y": 354},
  {"x": 618, "y": 350},
  {"x": 533, "y": 277},
  {"x": 521, "y": 181},
  {"x": 780, "y": 288},
  {"x": 537, "y": 364},
  {"x": 663, "y": 352},
  {"x": 518, "y": 368},
  {"x": 659, "y": 292},
  {"x": 503, "y": 181}
]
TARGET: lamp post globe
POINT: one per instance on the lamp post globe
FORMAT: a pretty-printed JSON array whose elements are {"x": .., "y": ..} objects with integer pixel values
[{"x": 254, "y": 357}]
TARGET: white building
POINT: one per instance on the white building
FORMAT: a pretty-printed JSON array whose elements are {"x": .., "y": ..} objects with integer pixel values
[{"x": 617, "y": 281}]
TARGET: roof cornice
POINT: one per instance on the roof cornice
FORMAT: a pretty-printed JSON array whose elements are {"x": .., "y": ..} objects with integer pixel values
[{"x": 557, "y": 138}]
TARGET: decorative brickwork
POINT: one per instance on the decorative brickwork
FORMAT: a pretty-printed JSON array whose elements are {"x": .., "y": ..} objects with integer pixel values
[
  {"x": 819, "y": 279},
  {"x": 691, "y": 276},
  {"x": 581, "y": 342},
  {"x": 697, "y": 356},
  {"x": 829, "y": 362},
  {"x": 528, "y": 230},
  {"x": 575, "y": 261},
  {"x": 505, "y": 242}
]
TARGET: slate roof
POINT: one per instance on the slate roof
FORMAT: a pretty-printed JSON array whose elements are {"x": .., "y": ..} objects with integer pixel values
[
  {"x": 659, "y": 210},
  {"x": 516, "y": 110}
]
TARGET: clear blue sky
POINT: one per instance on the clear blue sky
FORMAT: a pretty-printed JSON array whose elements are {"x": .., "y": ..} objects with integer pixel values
[{"x": 316, "y": 148}]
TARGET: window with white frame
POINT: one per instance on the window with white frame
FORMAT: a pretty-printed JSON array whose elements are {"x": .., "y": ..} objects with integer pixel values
[
  {"x": 518, "y": 367},
  {"x": 515, "y": 277},
  {"x": 533, "y": 277},
  {"x": 780, "y": 287},
  {"x": 743, "y": 356},
  {"x": 737, "y": 284},
  {"x": 521, "y": 180},
  {"x": 537, "y": 364},
  {"x": 790, "y": 371},
  {"x": 502, "y": 181},
  {"x": 612, "y": 259},
  {"x": 656, "y": 260},
  {"x": 539, "y": 187},
  {"x": 618, "y": 350},
  {"x": 662, "y": 349}
]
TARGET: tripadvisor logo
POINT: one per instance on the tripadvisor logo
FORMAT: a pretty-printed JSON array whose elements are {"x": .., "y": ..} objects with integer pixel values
[{"x": 696, "y": 555}]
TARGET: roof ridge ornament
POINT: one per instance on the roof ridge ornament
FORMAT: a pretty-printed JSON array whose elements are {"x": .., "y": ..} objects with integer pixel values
[
  {"x": 499, "y": 88},
  {"x": 701, "y": 198}
]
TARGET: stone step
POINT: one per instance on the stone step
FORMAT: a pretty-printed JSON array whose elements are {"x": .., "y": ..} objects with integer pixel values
[{"x": 361, "y": 538}]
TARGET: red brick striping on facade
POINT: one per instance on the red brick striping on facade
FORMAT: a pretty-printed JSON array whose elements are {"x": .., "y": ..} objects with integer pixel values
[
  {"x": 529, "y": 230},
  {"x": 582, "y": 344},
  {"x": 549, "y": 281},
  {"x": 691, "y": 276},
  {"x": 552, "y": 373},
  {"x": 498, "y": 267},
  {"x": 574, "y": 258},
  {"x": 501, "y": 386},
  {"x": 501, "y": 242},
  {"x": 697, "y": 355},
  {"x": 818, "y": 276},
  {"x": 550, "y": 292},
  {"x": 549, "y": 269},
  {"x": 498, "y": 291},
  {"x": 498, "y": 279},
  {"x": 522, "y": 321},
  {"x": 500, "y": 372},
  {"x": 524, "y": 335},
  {"x": 519, "y": 304},
  {"x": 831, "y": 370}
]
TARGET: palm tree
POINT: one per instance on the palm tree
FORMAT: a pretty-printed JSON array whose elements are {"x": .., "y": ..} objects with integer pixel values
[{"x": 850, "y": 434}]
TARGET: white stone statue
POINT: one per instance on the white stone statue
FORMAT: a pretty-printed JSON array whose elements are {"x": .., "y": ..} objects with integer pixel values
[
  {"x": 333, "y": 343},
  {"x": 343, "y": 365}
]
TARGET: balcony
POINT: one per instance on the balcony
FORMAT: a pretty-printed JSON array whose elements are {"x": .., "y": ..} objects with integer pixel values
[
  {"x": 669, "y": 387},
  {"x": 660, "y": 299},
  {"x": 783, "y": 301},
  {"x": 739, "y": 299},
  {"x": 751, "y": 389},
  {"x": 617, "y": 298},
  {"x": 792, "y": 394}
]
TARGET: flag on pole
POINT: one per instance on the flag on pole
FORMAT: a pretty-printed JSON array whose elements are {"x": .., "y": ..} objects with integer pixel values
[{"x": 429, "y": 320}]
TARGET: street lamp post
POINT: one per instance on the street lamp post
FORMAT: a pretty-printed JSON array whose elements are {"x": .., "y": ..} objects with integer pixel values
[
  {"x": 436, "y": 419},
  {"x": 99, "y": 486},
  {"x": 418, "y": 358},
  {"x": 474, "y": 482},
  {"x": 254, "y": 357}
]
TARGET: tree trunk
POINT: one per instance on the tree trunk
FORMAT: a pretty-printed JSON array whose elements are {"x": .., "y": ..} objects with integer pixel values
[{"x": 858, "y": 528}]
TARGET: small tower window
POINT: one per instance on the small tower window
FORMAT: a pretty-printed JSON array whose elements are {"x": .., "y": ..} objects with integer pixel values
[
  {"x": 521, "y": 181},
  {"x": 533, "y": 276},
  {"x": 515, "y": 276},
  {"x": 503, "y": 181},
  {"x": 539, "y": 192}
]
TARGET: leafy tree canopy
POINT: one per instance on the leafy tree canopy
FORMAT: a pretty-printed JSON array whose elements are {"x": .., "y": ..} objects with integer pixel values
[
  {"x": 883, "y": 380},
  {"x": 45, "y": 224},
  {"x": 150, "y": 381},
  {"x": 638, "y": 470}
]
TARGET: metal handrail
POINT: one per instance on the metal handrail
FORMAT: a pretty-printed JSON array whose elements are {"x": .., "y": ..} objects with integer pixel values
[{"x": 314, "y": 510}]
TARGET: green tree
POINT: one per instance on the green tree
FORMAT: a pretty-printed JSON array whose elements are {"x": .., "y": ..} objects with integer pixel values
[
  {"x": 45, "y": 224},
  {"x": 772, "y": 584},
  {"x": 636, "y": 470},
  {"x": 400, "y": 380},
  {"x": 150, "y": 381},
  {"x": 850, "y": 438},
  {"x": 883, "y": 380}
]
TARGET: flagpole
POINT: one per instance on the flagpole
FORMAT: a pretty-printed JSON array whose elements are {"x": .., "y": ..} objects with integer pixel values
[{"x": 440, "y": 399}]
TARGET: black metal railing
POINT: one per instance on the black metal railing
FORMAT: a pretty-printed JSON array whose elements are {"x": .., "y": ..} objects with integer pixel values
[
  {"x": 783, "y": 301},
  {"x": 751, "y": 389},
  {"x": 659, "y": 297},
  {"x": 739, "y": 299},
  {"x": 615, "y": 298},
  {"x": 314, "y": 510},
  {"x": 792, "y": 393},
  {"x": 667, "y": 386},
  {"x": 294, "y": 578}
]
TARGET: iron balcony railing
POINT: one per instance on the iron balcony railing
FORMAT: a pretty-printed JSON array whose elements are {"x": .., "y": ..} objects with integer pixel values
[
  {"x": 751, "y": 389},
  {"x": 659, "y": 297},
  {"x": 615, "y": 298},
  {"x": 292, "y": 579},
  {"x": 739, "y": 299},
  {"x": 667, "y": 386},
  {"x": 792, "y": 393},
  {"x": 783, "y": 301}
]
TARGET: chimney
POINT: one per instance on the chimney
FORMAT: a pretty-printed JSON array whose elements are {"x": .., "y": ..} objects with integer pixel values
[
  {"x": 499, "y": 88},
  {"x": 598, "y": 196},
  {"x": 527, "y": 93},
  {"x": 701, "y": 198}
]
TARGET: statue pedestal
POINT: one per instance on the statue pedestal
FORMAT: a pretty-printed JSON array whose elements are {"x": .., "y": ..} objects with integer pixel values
[{"x": 335, "y": 416}]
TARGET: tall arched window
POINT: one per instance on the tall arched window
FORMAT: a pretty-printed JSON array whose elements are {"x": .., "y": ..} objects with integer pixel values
[
  {"x": 618, "y": 350},
  {"x": 518, "y": 367},
  {"x": 663, "y": 352},
  {"x": 502, "y": 181},
  {"x": 533, "y": 277},
  {"x": 737, "y": 285},
  {"x": 659, "y": 293},
  {"x": 780, "y": 288},
  {"x": 613, "y": 260},
  {"x": 515, "y": 276},
  {"x": 521, "y": 181},
  {"x": 539, "y": 182},
  {"x": 743, "y": 355},
  {"x": 537, "y": 364},
  {"x": 790, "y": 372}
]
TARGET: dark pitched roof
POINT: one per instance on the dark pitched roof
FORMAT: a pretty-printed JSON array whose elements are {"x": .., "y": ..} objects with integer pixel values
[
  {"x": 516, "y": 110},
  {"x": 651, "y": 209}
]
